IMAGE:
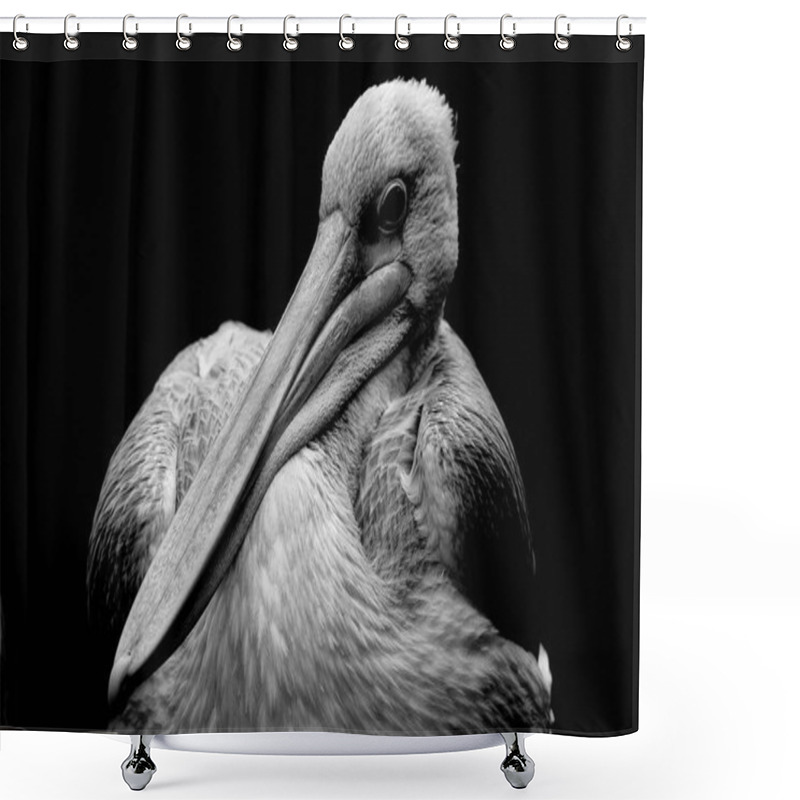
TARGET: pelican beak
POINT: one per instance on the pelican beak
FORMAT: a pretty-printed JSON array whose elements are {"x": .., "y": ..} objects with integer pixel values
[{"x": 346, "y": 319}]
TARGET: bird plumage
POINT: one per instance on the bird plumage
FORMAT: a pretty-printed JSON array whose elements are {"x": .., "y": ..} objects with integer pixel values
[
  {"x": 153, "y": 465},
  {"x": 367, "y": 595},
  {"x": 345, "y": 608}
]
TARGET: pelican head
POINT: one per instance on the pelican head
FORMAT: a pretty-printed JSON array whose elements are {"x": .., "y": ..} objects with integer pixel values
[
  {"x": 375, "y": 282},
  {"x": 390, "y": 173}
]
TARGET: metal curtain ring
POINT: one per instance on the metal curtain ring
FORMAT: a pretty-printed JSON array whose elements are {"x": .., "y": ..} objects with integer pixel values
[
  {"x": 182, "y": 42},
  {"x": 70, "y": 42},
  {"x": 128, "y": 42},
  {"x": 451, "y": 42},
  {"x": 234, "y": 43},
  {"x": 561, "y": 42},
  {"x": 346, "y": 42},
  {"x": 289, "y": 42},
  {"x": 507, "y": 42},
  {"x": 20, "y": 42},
  {"x": 623, "y": 44},
  {"x": 401, "y": 42}
]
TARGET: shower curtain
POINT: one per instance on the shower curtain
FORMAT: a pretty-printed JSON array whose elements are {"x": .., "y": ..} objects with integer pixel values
[{"x": 320, "y": 385}]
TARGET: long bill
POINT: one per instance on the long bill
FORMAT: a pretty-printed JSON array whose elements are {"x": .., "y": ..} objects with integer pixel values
[{"x": 343, "y": 322}]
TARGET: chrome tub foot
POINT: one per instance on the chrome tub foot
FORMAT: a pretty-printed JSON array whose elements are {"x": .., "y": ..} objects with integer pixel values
[
  {"x": 138, "y": 768},
  {"x": 517, "y": 766}
]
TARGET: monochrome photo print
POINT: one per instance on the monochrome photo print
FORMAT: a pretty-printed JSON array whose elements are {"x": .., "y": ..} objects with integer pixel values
[{"x": 320, "y": 393}]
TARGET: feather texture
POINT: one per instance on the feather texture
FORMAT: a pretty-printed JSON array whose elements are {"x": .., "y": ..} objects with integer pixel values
[
  {"x": 155, "y": 462},
  {"x": 383, "y": 585},
  {"x": 344, "y": 609}
]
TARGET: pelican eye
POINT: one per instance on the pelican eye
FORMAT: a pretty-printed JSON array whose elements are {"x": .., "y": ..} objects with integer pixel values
[{"x": 392, "y": 206}]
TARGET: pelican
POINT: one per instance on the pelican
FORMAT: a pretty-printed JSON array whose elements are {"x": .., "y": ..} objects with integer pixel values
[{"x": 292, "y": 533}]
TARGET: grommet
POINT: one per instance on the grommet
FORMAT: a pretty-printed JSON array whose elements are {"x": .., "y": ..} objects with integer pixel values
[
  {"x": 507, "y": 42},
  {"x": 346, "y": 42},
  {"x": 561, "y": 42},
  {"x": 182, "y": 42},
  {"x": 401, "y": 42},
  {"x": 623, "y": 44},
  {"x": 70, "y": 42},
  {"x": 128, "y": 42},
  {"x": 451, "y": 42},
  {"x": 289, "y": 42},
  {"x": 20, "y": 43},
  {"x": 234, "y": 44}
]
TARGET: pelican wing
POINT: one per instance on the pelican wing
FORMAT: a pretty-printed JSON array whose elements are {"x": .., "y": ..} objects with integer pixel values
[
  {"x": 156, "y": 461},
  {"x": 444, "y": 446}
]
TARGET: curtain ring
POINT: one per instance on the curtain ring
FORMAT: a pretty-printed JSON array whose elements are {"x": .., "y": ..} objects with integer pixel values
[
  {"x": 346, "y": 42},
  {"x": 129, "y": 42},
  {"x": 451, "y": 42},
  {"x": 70, "y": 42},
  {"x": 234, "y": 43},
  {"x": 182, "y": 42},
  {"x": 401, "y": 42},
  {"x": 507, "y": 42},
  {"x": 20, "y": 42},
  {"x": 561, "y": 42},
  {"x": 289, "y": 42},
  {"x": 623, "y": 44}
]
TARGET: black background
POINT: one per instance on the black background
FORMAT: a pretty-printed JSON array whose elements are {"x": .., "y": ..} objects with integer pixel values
[{"x": 144, "y": 202}]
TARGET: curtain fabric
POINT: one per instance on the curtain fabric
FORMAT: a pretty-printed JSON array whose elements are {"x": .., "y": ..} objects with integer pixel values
[{"x": 417, "y": 523}]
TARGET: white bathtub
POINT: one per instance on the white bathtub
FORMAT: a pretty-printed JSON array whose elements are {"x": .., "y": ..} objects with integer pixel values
[
  {"x": 317, "y": 743},
  {"x": 138, "y": 768}
]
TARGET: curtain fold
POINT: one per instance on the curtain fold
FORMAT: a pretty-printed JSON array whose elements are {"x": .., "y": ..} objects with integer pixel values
[{"x": 149, "y": 197}]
